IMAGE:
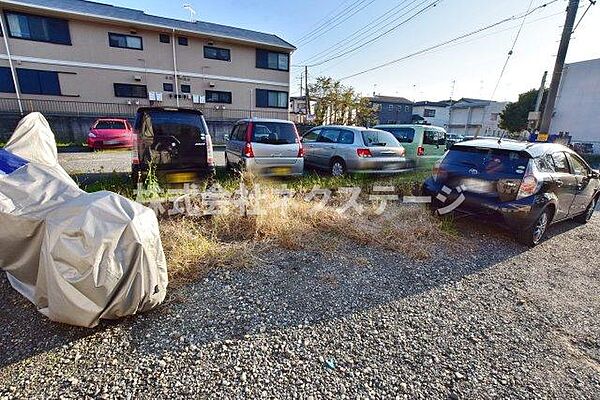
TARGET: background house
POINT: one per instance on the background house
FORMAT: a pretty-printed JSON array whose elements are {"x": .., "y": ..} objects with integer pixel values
[
  {"x": 471, "y": 117},
  {"x": 435, "y": 113},
  {"x": 577, "y": 109},
  {"x": 392, "y": 110},
  {"x": 88, "y": 58}
]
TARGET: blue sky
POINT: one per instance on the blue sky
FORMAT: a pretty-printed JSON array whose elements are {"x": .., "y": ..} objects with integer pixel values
[{"x": 474, "y": 65}]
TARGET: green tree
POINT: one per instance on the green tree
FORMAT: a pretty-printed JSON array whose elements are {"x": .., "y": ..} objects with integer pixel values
[
  {"x": 339, "y": 104},
  {"x": 514, "y": 118}
]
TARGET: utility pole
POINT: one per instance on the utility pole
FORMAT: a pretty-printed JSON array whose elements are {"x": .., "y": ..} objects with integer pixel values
[
  {"x": 540, "y": 96},
  {"x": 558, "y": 69},
  {"x": 306, "y": 94}
]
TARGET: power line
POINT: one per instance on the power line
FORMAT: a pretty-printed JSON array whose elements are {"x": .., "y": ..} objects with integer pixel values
[
  {"x": 370, "y": 25},
  {"x": 592, "y": 2},
  {"x": 353, "y": 49},
  {"x": 318, "y": 24},
  {"x": 510, "y": 53},
  {"x": 334, "y": 24},
  {"x": 501, "y": 22}
]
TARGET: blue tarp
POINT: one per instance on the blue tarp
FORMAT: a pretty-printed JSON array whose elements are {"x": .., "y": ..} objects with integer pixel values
[{"x": 9, "y": 163}]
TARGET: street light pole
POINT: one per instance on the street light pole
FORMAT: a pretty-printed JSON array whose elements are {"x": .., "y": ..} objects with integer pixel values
[{"x": 558, "y": 69}]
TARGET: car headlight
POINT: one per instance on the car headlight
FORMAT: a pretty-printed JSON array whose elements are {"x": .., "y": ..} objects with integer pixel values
[{"x": 91, "y": 135}]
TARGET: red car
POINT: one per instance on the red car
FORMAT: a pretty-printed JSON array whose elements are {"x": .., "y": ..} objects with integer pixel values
[{"x": 110, "y": 133}]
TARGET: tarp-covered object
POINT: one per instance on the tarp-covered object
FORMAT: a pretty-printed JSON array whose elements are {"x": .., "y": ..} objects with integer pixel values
[{"x": 78, "y": 257}]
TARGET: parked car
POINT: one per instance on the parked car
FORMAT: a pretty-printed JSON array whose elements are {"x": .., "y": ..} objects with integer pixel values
[
  {"x": 525, "y": 186},
  {"x": 110, "y": 133},
  {"x": 348, "y": 149},
  {"x": 268, "y": 147},
  {"x": 424, "y": 144},
  {"x": 452, "y": 138},
  {"x": 175, "y": 141}
]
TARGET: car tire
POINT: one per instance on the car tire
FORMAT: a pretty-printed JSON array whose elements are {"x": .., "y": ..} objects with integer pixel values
[
  {"x": 227, "y": 165},
  {"x": 337, "y": 167},
  {"x": 533, "y": 235},
  {"x": 589, "y": 212}
]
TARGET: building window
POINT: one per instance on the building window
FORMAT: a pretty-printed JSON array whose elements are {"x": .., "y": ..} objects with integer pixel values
[
  {"x": 213, "y": 96},
  {"x": 125, "y": 41},
  {"x": 215, "y": 53},
  {"x": 271, "y": 99},
  {"x": 391, "y": 107},
  {"x": 129, "y": 90},
  {"x": 494, "y": 117},
  {"x": 42, "y": 29},
  {"x": 164, "y": 38},
  {"x": 272, "y": 60},
  {"x": 182, "y": 40},
  {"x": 168, "y": 87},
  {"x": 186, "y": 88},
  {"x": 33, "y": 81},
  {"x": 429, "y": 113},
  {"x": 6, "y": 81},
  {"x": 407, "y": 108}
]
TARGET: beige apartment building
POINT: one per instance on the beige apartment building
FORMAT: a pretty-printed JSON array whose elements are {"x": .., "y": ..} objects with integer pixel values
[{"x": 79, "y": 51}]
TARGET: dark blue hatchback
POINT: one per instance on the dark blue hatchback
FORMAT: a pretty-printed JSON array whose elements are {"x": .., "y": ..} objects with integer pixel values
[{"x": 525, "y": 186}]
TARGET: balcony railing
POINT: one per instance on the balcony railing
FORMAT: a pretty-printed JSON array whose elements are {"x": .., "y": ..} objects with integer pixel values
[{"x": 91, "y": 109}]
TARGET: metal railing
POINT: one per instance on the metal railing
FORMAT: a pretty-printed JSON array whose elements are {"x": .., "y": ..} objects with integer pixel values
[{"x": 93, "y": 109}]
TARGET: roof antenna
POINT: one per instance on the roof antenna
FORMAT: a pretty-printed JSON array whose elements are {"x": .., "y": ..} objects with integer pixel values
[{"x": 188, "y": 7}]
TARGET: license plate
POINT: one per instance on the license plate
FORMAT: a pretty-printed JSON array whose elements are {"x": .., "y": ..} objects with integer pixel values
[
  {"x": 182, "y": 177},
  {"x": 478, "y": 185},
  {"x": 111, "y": 142},
  {"x": 280, "y": 171}
]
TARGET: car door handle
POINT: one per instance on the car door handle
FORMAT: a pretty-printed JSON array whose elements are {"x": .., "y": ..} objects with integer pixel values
[{"x": 559, "y": 183}]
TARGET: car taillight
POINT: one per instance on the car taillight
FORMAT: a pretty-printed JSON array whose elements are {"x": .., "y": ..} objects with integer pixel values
[
  {"x": 402, "y": 151},
  {"x": 301, "y": 151},
  {"x": 364, "y": 153},
  {"x": 248, "y": 152},
  {"x": 210, "y": 157},
  {"x": 530, "y": 184},
  {"x": 420, "y": 151}
]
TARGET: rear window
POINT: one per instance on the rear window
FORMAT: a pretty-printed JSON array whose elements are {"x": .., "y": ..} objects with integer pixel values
[
  {"x": 181, "y": 125},
  {"x": 489, "y": 161},
  {"x": 403, "y": 135},
  {"x": 376, "y": 138},
  {"x": 274, "y": 133},
  {"x": 110, "y": 125}
]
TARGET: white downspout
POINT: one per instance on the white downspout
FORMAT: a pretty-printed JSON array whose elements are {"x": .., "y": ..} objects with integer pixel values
[
  {"x": 10, "y": 63},
  {"x": 175, "y": 70}
]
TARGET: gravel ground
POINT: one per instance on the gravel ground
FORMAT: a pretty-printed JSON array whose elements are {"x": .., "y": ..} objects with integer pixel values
[
  {"x": 105, "y": 162},
  {"x": 498, "y": 321}
]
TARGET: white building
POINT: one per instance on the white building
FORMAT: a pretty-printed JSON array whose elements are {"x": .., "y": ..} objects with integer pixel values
[
  {"x": 435, "y": 113},
  {"x": 577, "y": 109},
  {"x": 470, "y": 117}
]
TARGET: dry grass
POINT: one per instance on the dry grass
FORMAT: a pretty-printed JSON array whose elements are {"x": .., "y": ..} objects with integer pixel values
[{"x": 234, "y": 237}]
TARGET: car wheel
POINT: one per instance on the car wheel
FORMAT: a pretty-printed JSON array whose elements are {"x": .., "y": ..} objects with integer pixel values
[
  {"x": 535, "y": 233},
  {"x": 227, "y": 165},
  {"x": 338, "y": 167},
  {"x": 589, "y": 212}
]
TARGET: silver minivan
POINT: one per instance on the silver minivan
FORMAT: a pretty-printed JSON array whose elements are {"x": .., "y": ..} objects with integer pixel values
[
  {"x": 268, "y": 147},
  {"x": 342, "y": 149}
]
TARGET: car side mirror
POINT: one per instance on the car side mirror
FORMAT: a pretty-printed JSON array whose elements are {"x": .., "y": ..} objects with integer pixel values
[
  {"x": 595, "y": 174},
  {"x": 226, "y": 137}
]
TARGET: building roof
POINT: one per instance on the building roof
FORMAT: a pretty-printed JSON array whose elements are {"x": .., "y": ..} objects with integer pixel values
[
  {"x": 390, "y": 99},
  {"x": 466, "y": 102},
  {"x": 443, "y": 103},
  {"x": 122, "y": 14}
]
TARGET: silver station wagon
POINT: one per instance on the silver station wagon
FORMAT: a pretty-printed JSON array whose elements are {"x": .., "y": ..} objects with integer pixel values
[{"x": 349, "y": 149}]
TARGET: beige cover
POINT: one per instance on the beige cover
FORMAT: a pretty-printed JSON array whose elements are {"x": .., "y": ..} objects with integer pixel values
[{"x": 78, "y": 257}]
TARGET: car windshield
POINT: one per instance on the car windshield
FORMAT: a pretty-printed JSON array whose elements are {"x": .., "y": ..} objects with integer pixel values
[
  {"x": 403, "y": 135},
  {"x": 490, "y": 161},
  {"x": 375, "y": 138},
  {"x": 274, "y": 133},
  {"x": 110, "y": 125},
  {"x": 187, "y": 126}
]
